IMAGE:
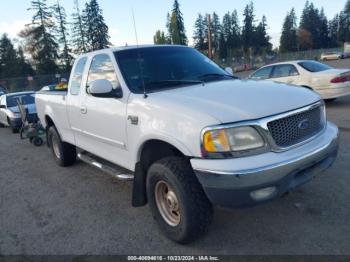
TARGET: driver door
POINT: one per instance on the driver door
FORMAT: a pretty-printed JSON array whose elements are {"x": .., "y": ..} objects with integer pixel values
[{"x": 103, "y": 120}]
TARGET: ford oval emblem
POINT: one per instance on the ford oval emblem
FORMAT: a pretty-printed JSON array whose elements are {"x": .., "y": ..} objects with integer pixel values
[{"x": 304, "y": 124}]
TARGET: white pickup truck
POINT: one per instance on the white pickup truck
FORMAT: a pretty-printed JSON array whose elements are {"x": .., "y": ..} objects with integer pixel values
[{"x": 188, "y": 133}]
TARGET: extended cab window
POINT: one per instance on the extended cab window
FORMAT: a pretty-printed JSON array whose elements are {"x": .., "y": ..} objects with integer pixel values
[
  {"x": 284, "y": 71},
  {"x": 263, "y": 73},
  {"x": 102, "y": 68},
  {"x": 77, "y": 76}
]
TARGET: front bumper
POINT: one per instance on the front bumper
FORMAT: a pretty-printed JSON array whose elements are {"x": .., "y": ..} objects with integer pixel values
[
  {"x": 16, "y": 122},
  {"x": 231, "y": 182}
]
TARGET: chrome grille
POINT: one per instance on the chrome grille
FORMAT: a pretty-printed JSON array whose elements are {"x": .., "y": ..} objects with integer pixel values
[{"x": 296, "y": 128}]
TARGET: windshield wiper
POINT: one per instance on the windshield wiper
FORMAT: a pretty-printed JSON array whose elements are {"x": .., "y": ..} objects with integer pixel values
[
  {"x": 215, "y": 76},
  {"x": 170, "y": 83}
]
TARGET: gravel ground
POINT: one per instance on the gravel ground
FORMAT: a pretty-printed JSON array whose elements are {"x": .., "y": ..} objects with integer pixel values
[{"x": 45, "y": 209}]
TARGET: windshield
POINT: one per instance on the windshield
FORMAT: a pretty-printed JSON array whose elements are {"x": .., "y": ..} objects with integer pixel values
[
  {"x": 26, "y": 99},
  {"x": 159, "y": 68},
  {"x": 313, "y": 66}
]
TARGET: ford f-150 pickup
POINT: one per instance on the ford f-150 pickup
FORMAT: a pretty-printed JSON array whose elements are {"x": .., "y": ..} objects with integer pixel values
[{"x": 188, "y": 133}]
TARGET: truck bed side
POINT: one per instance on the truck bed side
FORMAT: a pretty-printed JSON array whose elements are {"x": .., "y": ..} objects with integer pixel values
[{"x": 51, "y": 107}]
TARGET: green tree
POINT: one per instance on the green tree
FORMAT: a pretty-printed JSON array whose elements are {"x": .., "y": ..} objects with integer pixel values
[
  {"x": 333, "y": 31},
  {"x": 315, "y": 22},
  {"x": 12, "y": 61},
  {"x": 199, "y": 36},
  {"x": 78, "y": 31},
  {"x": 96, "y": 28},
  {"x": 62, "y": 35},
  {"x": 176, "y": 26},
  {"x": 323, "y": 30},
  {"x": 261, "y": 38},
  {"x": 160, "y": 38},
  {"x": 230, "y": 37},
  {"x": 24, "y": 68},
  {"x": 288, "y": 40},
  {"x": 45, "y": 47},
  {"x": 248, "y": 29},
  {"x": 8, "y": 58},
  {"x": 215, "y": 31}
]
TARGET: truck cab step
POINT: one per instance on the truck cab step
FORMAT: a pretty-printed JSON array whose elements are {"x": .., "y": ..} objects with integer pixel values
[{"x": 106, "y": 167}]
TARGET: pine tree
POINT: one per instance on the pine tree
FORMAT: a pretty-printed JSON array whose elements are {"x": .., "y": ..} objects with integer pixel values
[
  {"x": 199, "y": 36},
  {"x": 160, "y": 38},
  {"x": 288, "y": 40},
  {"x": 97, "y": 29},
  {"x": 24, "y": 68},
  {"x": 78, "y": 30},
  {"x": 323, "y": 30},
  {"x": 230, "y": 39},
  {"x": 176, "y": 26},
  {"x": 12, "y": 61},
  {"x": 333, "y": 31},
  {"x": 248, "y": 29},
  {"x": 216, "y": 31},
  {"x": 8, "y": 58},
  {"x": 45, "y": 49},
  {"x": 62, "y": 35},
  {"x": 261, "y": 38}
]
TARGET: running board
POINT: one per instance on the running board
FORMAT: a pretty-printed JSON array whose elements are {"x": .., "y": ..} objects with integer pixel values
[{"x": 108, "y": 168}]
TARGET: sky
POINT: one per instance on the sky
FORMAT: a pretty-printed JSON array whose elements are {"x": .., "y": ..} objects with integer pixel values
[{"x": 150, "y": 15}]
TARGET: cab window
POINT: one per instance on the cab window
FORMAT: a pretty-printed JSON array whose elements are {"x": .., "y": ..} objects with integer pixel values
[
  {"x": 77, "y": 76},
  {"x": 102, "y": 68},
  {"x": 284, "y": 71},
  {"x": 263, "y": 73}
]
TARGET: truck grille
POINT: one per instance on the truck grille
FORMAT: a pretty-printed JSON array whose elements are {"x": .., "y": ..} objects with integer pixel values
[{"x": 294, "y": 129}]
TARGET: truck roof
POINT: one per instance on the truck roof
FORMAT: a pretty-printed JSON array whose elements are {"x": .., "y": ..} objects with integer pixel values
[{"x": 129, "y": 47}]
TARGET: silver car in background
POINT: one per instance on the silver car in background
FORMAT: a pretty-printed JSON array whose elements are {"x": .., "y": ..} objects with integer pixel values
[{"x": 9, "y": 111}]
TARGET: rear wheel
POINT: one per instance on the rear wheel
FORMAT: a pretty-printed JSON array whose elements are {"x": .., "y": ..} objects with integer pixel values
[
  {"x": 64, "y": 153},
  {"x": 177, "y": 200}
]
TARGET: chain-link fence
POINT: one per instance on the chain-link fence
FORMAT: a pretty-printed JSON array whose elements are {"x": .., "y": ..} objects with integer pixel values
[
  {"x": 30, "y": 83},
  {"x": 239, "y": 64}
]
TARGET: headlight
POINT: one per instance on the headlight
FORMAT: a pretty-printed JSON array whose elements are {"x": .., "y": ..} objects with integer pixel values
[{"x": 235, "y": 139}]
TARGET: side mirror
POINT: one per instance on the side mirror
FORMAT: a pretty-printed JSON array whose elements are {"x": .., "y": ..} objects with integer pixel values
[
  {"x": 104, "y": 88},
  {"x": 229, "y": 70},
  {"x": 3, "y": 106}
]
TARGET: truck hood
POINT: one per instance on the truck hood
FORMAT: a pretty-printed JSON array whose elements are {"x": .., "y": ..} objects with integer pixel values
[{"x": 236, "y": 100}]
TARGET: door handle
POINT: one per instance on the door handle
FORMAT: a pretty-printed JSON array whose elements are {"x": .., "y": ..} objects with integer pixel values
[{"x": 83, "y": 110}]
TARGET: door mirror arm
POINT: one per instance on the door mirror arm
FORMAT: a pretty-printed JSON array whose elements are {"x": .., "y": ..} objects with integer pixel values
[{"x": 115, "y": 93}]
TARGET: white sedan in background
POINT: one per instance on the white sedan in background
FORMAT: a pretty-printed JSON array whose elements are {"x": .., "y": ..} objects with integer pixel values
[
  {"x": 329, "y": 82},
  {"x": 331, "y": 56}
]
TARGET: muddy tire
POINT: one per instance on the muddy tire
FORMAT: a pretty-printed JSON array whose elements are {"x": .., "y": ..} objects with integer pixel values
[
  {"x": 177, "y": 200},
  {"x": 64, "y": 153}
]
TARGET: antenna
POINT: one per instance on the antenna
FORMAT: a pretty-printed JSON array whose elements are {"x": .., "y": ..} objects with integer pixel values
[
  {"x": 133, "y": 18},
  {"x": 139, "y": 55}
]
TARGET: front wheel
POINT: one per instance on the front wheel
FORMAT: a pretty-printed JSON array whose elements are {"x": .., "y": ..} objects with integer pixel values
[
  {"x": 177, "y": 200},
  {"x": 12, "y": 127},
  {"x": 64, "y": 153}
]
